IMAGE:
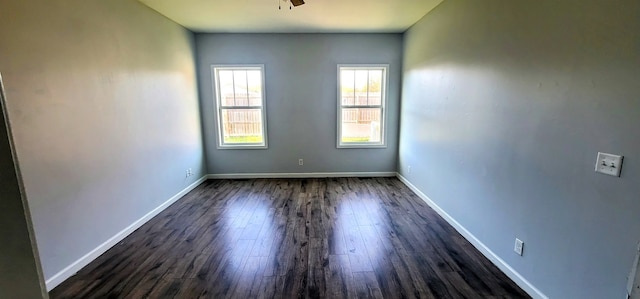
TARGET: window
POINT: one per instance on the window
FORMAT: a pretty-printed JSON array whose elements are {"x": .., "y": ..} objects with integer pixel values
[
  {"x": 240, "y": 106},
  {"x": 361, "y": 100}
]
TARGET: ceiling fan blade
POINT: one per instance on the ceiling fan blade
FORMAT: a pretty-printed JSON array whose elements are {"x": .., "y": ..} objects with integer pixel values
[{"x": 297, "y": 2}]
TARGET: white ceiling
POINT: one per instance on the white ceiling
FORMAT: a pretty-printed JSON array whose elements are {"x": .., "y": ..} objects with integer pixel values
[{"x": 313, "y": 16}]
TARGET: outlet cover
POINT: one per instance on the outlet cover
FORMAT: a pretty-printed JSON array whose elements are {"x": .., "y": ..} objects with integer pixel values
[
  {"x": 609, "y": 164},
  {"x": 519, "y": 246}
]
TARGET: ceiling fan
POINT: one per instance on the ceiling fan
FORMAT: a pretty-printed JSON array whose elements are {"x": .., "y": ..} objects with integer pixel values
[{"x": 293, "y": 2}]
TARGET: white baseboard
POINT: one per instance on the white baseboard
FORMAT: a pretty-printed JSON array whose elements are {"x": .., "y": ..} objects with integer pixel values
[
  {"x": 72, "y": 269},
  {"x": 495, "y": 259},
  {"x": 278, "y": 175}
]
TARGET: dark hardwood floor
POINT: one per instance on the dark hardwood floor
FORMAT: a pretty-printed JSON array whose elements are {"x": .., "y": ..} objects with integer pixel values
[{"x": 293, "y": 238}]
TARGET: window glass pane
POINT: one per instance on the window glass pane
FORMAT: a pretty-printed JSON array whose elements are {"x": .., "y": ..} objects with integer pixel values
[
  {"x": 225, "y": 80},
  {"x": 375, "y": 87},
  {"x": 361, "y": 125},
  {"x": 361, "y": 87},
  {"x": 240, "y": 87},
  {"x": 255, "y": 87},
  {"x": 347, "y": 86},
  {"x": 242, "y": 126}
]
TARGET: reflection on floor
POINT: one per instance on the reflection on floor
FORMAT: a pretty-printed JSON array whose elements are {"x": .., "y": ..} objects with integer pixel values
[{"x": 293, "y": 238}]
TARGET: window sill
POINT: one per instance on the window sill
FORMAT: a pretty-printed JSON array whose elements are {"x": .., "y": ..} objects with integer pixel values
[
  {"x": 361, "y": 146},
  {"x": 242, "y": 147}
]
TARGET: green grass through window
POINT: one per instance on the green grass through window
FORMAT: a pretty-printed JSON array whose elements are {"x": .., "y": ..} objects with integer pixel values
[
  {"x": 243, "y": 139},
  {"x": 355, "y": 139}
]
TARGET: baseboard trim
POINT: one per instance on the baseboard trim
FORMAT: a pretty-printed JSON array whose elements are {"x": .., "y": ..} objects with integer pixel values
[
  {"x": 72, "y": 269},
  {"x": 278, "y": 175},
  {"x": 495, "y": 259}
]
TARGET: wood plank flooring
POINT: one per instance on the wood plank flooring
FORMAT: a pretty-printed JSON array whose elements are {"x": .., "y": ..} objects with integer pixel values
[{"x": 293, "y": 238}]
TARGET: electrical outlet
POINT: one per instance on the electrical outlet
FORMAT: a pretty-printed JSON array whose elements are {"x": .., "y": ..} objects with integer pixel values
[
  {"x": 519, "y": 246},
  {"x": 609, "y": 164},
  {"x": 187, "y": 173},
  {"x": 300, "y": 162},
  {"x": 409, "y": 169}
]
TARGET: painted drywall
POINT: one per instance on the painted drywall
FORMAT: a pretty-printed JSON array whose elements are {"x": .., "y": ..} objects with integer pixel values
[
  {"x": 505, "y": 105},
  {"x": 301, "y": 100},
  {"x": 20, "y": 272},
  {"x": 102, "y": 98}
]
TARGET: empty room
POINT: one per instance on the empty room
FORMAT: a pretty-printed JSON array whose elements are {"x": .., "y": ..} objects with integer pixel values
[{"x": 320, "y": 149}]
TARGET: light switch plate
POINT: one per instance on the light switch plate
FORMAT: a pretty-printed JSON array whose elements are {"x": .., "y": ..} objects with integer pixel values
[{"x": 609, "y": 164}]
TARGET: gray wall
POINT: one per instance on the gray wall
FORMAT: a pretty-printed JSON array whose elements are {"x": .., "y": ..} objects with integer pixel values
[
  {"x": 20, "y": 273},
  {"x": 505, "y": 105},
  {"x": 301, "y": 91},
  {"x": 103, "y": 102}
]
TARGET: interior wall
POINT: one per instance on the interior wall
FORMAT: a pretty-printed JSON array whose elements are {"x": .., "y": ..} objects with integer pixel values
[
  {"x": 505, "y": 105},
  {"x": 301, "y": 100},
  {"x": 103, "y": 104},
  {"x": 20, "y": 272}
]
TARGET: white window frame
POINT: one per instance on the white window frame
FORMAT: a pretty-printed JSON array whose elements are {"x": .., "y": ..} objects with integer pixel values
[
  {"x": 216, "y": 82},
  {"x": 382, "y": 106}
]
